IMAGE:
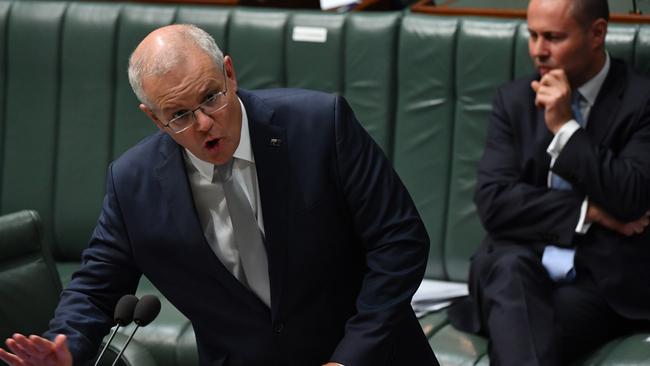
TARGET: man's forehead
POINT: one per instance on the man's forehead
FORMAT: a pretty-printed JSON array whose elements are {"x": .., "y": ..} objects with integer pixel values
[
  {"x": 182, "y": 85},
  {"x": 549, "y": 15}
]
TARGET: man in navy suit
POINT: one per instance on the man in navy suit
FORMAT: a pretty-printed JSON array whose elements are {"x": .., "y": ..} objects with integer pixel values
[
  {"x": 563, "y": 192},
  {"x": 341, "y": 246}
]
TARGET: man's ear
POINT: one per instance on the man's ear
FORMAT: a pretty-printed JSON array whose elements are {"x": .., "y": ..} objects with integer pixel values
[
  {"x": 599, "y": 32},
  {"x": 230, "y": 72},
  {"x": 152, "y": 117}
]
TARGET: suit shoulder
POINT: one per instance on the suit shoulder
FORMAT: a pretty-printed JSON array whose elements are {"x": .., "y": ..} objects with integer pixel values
[
  {"x": 142, "y": 153},
  {"x": 518, "y": 87},
  {"x": 294, "y": 98},
  {"x": 294, "y": 108},
  {"x": 637, "y": 82}
]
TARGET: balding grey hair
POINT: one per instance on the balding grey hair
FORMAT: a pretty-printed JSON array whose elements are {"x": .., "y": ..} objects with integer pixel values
[{"x": 143, "y": 66}]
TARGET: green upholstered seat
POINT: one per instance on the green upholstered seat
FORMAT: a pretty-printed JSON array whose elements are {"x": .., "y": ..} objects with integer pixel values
[
  {"x": 30, "y": 287},
  {"x": 29, "y": 284}
]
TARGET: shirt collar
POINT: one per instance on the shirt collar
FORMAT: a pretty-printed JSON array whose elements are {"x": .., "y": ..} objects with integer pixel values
[
  {"x": 243, "y": 151},
  {"x": 590, "y": 89}
]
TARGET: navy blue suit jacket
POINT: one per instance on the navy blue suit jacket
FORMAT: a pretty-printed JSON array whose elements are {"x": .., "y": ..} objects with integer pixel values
[
  {"x": 609, "y": 162},
  {"x": 346, "y": 246}
]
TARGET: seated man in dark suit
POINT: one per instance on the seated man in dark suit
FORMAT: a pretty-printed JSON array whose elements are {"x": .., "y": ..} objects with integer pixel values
[
  {"x": 563, "y": 192},
  {"x": 269, "y": 218}
]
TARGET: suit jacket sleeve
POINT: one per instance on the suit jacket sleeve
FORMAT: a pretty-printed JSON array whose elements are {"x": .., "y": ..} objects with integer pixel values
[
  {"x": 85, "y": 310},
  {"x": 394, "y": 237},
  {"x": 616, "y": 177},
  {"x": 511, "y": 204}
]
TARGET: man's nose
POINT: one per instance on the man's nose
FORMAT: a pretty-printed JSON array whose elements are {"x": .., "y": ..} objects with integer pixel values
[
  {"x": 538, "y": 48},
  {"x": 204, "y": 121}
]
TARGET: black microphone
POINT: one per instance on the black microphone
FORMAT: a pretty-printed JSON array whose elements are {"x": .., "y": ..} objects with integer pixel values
[
  {"x": 123, "y": 316},
  {"x": 146, "y": 310}
]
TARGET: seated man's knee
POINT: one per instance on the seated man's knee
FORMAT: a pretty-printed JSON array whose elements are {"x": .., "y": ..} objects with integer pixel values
[{"x": 506, "y": 264}]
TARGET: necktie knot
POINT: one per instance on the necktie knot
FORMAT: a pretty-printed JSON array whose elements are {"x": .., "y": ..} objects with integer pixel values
[
  {"x": 576, "y": 107},
  {"x": 224, "y": 171}
]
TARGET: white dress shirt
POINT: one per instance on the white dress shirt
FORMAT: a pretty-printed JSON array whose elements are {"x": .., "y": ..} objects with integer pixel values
[
  {"x": 210, "y": 201},
  {"x": 589, "y": 92}
]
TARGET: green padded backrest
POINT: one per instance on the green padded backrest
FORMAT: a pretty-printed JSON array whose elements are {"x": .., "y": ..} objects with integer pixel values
[
  {"x": 314, "y": 51},
  {"x": 620, "y": 41},
  {"x": 29, "y": 285},
  {"x": 4, "y": 12},
  {"x": 31, "y": 110},
  {"x": 485, "y": 58},
  {"x": 136, "y": 21},
  {"x": 85, "y": 123},
  {"x": 423, "y": 122},
  {"x": 642, "y": 50},
  {"x": 256, "y": 44},
  {"x": 523, "y": 64},
  {"x": 211, "y": 19},
  {"x": 370, "y": 61}
]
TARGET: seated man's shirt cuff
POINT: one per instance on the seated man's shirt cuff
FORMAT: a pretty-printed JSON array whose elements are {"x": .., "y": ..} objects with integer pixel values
[
  {"x": 583, "y": 226},
  {"x": 561, "y": 138}
]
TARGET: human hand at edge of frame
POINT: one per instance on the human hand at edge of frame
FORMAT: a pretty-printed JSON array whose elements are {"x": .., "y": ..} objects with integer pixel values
[
  {"x": 597, "y": 215},
  {"x": 36, "y": 351},
  {"x": 553, "y": 93},
  {"x": 332, "y": 364}
]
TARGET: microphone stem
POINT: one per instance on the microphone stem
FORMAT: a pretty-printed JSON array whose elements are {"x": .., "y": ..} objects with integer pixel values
[
  {"x": 125, "y": 345},
  {"x": 106, "y": 345}
]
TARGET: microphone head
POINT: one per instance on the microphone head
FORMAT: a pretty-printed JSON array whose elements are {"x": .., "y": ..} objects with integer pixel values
[
  {"x": 146, "y": 310},
  {"x": 124, "y": 310}
]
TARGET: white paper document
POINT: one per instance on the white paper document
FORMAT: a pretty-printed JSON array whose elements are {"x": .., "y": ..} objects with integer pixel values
[
  {"x": 332, "y": 4},
  {"x": 433, "y": 295}
]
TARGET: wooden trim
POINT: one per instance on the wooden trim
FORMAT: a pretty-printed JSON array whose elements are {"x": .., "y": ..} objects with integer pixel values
[
  {"x": 629, "y": 18},
  {"x": 367, "y": 5},
  {"x": 426, "y": 6}
]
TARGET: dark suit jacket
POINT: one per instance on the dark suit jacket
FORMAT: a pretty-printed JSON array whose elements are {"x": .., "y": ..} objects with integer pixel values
[
  {"x": 609, "y": 162},
  {"x": 345, "y": 244}
]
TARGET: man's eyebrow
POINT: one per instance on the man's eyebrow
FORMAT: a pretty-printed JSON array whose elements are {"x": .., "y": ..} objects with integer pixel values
[{"x": 210, "y": 85}]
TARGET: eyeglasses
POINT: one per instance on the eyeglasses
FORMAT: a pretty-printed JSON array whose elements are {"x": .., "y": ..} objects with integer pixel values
[{"x": 183, "y": 120}]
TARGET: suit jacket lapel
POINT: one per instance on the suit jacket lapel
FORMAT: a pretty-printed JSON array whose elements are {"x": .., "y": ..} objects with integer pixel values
[
  {"x": 184, "y": 222},
  {"x": 269, "y": 145},
  {"x": 602, "y": 115},
  {"x": 543, "y": 138}
]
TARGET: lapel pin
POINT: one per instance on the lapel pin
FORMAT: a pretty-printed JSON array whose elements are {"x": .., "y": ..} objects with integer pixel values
[{"x": 275, "y": 142}]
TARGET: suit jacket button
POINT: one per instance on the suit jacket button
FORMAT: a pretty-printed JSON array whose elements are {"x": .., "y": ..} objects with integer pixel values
[{"x": 278, "y": 328}]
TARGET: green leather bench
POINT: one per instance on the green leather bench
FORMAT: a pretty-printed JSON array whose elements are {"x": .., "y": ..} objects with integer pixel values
[{"x": 421, "y": 85}]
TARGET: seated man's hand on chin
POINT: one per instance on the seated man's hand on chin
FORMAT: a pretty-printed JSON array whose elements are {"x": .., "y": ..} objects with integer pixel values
[{"x": 36, "y": 351}]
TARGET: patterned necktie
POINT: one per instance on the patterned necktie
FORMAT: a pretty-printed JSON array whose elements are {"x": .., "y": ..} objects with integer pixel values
[
  {"x": 558, "y": 261},
  {"x": 247, "y": 235},
  {"x": 556, "y": 181}
]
